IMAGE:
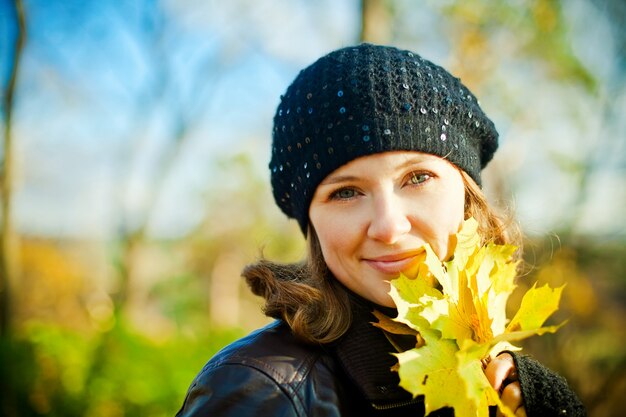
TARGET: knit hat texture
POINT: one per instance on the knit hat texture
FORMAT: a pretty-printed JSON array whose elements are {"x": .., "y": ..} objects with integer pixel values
[{"x": 368, "y": 99}]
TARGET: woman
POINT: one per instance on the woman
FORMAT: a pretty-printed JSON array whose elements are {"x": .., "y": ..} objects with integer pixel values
[{"x": 376, "y": 152}]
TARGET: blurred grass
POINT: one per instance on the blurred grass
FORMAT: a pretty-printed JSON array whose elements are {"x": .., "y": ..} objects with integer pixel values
[{"x": 52, "y": 371}]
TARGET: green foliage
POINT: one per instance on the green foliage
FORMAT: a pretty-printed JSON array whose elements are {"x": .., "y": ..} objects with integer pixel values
[
  {"x": 52, "y": 371},
  {"x": 539, "y": 31}
]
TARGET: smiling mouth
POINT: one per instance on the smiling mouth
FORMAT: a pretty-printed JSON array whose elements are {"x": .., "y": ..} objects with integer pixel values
[{"x": 394, "y": 264}]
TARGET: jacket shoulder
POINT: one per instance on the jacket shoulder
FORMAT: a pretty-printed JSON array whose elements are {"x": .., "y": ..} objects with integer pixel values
[
  {"x": 268, "y": 370},
  {"x": 273, "y": 350}
]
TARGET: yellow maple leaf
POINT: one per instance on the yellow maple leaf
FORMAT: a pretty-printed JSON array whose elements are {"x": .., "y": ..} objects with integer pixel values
[
  {"x": 537, "y": 305},
  {"x": 436, "y": 365},
  {"x": 465, "y": 322}
]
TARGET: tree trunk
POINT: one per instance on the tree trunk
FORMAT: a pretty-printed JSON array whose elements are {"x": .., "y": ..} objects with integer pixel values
[
  {"x": 376, "y": 20},
  {"x": 6, "y": 174}
]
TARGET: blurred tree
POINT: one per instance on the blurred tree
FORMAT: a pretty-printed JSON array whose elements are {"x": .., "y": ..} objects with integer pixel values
[
  {"x": 162, "y": 88},
  {"x": 588, "y": 350},
  {"x": 240, "y": 219},
  {"x": 58, "y": 274},
  {"x": 376, "y": 21},
  {"x": 541, "y": 32},
  {"x": 7, "y": 243}
]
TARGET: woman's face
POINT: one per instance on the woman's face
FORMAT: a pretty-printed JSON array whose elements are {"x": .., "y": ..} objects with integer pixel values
[{"x": 373, "y": 215}]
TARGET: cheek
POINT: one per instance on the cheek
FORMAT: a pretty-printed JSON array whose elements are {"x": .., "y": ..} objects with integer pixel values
[
  {"x": 335, "y": 239},
  {"x": 339, "y": 240},
  {"x": 447, "y": 220},
  {"x": 455, "y": 220},
  {"x": 456, "y": 214}
]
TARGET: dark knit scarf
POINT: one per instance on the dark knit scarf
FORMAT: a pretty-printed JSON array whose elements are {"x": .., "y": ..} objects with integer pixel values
[{"x": 365, "y": 355}]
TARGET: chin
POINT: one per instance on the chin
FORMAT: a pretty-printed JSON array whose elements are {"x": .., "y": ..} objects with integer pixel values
[{"x": 385, "y": 301}]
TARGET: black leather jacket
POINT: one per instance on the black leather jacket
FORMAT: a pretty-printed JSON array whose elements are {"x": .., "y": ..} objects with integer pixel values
[{"x": 271, "y": 373}]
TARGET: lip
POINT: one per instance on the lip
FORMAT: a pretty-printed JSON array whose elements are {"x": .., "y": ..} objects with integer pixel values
[{"x": 393, "y": 264}]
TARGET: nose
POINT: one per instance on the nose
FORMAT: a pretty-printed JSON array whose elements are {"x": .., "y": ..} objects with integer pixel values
[{"x": 389, "y": 219}]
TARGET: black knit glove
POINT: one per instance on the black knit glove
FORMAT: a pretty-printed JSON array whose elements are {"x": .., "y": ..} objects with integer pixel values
[{"x": 545, "y": 393}]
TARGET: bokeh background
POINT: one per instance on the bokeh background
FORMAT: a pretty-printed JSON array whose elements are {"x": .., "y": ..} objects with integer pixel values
[{"x": 134, "y": 183}]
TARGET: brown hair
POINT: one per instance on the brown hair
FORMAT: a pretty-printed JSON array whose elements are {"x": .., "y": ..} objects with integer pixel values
[
  {"x": 492, "y": 226},
  {"x": 304, "y": 294},
  {"x": 315, "y": 305}
]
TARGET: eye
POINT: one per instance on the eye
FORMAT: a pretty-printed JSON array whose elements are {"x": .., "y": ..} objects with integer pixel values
[
  {"x": 417, "y": 178},
  {"x": 343, "y": 194}
]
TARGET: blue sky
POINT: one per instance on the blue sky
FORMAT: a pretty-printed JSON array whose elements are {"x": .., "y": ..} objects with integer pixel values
[{"x": 105, "y": 88}]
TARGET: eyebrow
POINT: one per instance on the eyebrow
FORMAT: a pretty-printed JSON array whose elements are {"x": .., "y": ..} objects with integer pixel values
[
  {"x": 415, "y": 160},
  {"x": 335, "y": 179}
]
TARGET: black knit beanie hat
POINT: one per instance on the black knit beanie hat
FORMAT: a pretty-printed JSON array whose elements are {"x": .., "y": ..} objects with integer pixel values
[{"x": 368, "y": 99}]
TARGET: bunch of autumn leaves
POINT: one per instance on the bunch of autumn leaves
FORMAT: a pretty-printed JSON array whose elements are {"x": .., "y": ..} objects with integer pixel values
[{"x": 456, "y": 310}]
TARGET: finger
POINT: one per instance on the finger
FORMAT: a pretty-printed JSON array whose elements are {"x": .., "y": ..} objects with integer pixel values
[
  {"x": 498, "y": 370},
  {"x": 512, "y": 397},
  {"x": 507, "y": 357}
]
